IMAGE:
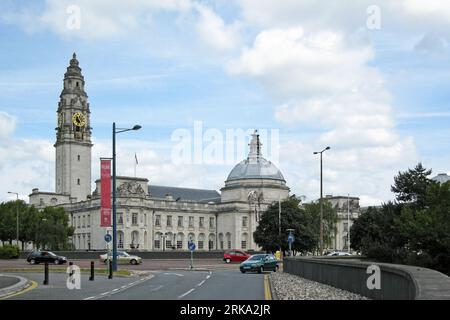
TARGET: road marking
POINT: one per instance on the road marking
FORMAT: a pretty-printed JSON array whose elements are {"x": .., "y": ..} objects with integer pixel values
[
  {"x": 31, "y": 287},
  {"x": 117, "y": 290},
  {"x": 175, "y": 274},
  {"x": 157, "y": 288},
  {"x": 201, "y": 283},
  {"x": 186, "y": 293},
  {"x": 267, "y": 293}
]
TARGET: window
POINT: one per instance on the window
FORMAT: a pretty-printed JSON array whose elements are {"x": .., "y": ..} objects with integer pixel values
[
  {"x": 180, "y": 221},
  {"x": 119, "y": 218},
  {"x": 157, "y": 244},
  {"x": 244, "y": 244},
  {"x": 211, "y": 244},
  {"x": 201, "y": 223},
  {"x": 134, "y": 219},
  {"x": 168, "y": 242},
  {"x": 158, "y": 220},
  {"x": 84, "y": 221},
  {"x": 191, "y": 222},
  {"x": 79, "y": 158},
  {"x": 78, "y": 181},
  {"x": 78, "y": 84},
  {"x": 211, "y": 223},
  {"x": 229, "y": 244},
  {"x": 79, "y": 222},
  {"x": 200, "y": 244},
  {"x": 169, "y": 221},
  {"x": 179, "y": 244},
  {"x": 244, "y": 221},
  {"x": 145, "y": 219},
  {"x": 345, "y": 227},
  {"x": 88, "y": 220},
  {"x": 221, "y": 244}
]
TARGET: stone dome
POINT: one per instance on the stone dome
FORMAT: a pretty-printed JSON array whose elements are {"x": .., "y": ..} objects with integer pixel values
[{"x": 255, "y": 166}]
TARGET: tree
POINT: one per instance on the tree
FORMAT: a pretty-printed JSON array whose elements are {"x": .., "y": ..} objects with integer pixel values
[
  {"x": 52, "y": 229},
  {"x": 312, "y": 211},
  {"x": 411, "y": 186},
  {"x": 292, "y": 217}
]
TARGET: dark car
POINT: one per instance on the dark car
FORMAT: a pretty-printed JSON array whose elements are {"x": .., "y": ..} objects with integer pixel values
[
  {"x": 260, "y": 263},
  {"x": 36, "y": 257},
  {"x": 235, "y": 256}
]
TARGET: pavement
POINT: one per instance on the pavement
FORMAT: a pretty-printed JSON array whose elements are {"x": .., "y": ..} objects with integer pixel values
[{"x": 13, "y": 284}]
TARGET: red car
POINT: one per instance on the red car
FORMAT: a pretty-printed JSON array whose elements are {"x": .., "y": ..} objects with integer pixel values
[{"x": 235, "y": 256}]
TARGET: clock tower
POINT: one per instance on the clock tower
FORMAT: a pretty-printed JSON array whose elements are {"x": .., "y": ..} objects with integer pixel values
[{"x": 73, "y": 136}]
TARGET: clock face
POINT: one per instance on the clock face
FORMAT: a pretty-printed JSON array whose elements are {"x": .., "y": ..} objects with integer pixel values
[{"x": 79, "y": 119}]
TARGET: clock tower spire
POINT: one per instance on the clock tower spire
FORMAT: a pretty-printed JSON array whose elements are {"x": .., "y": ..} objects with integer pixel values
[{"x": 73, "y": 136}]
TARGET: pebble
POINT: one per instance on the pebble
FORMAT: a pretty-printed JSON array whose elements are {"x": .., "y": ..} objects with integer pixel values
[{"x": 291, "y": 287}]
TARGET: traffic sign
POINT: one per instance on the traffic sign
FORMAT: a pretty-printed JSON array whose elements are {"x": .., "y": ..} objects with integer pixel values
[
  {"x": 291, "y": 238},
  {"x": 108, "y": 237},
  {"x": 191, "y": 246}
]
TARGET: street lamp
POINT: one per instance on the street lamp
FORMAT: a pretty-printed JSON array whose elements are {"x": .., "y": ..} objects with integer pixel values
[
  {"x": 17, "y": 215},
  {"x": 321, "y": 200},
  {"x": 114, "y": 132}
]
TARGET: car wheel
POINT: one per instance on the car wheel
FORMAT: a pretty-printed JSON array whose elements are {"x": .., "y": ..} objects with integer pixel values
[
  {"x": 133, "y": 261},
  {"x": 260, "y": 269},
  {"x": 243, "y": 271},
  {"x": 227, "y": 260},
  {"x": 32, "y": 261}
]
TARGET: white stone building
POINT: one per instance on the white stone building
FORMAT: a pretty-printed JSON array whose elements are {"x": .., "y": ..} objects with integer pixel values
[{"x": 151, "y": 217}]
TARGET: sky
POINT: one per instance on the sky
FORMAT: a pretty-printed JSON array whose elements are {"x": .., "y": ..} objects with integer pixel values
[{"x": 370, "y": 79}]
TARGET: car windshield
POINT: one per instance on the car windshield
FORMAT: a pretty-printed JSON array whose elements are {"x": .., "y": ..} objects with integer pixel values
[
  {"x": 256, "y": 257},
  {"x": 51, "y": 254}
]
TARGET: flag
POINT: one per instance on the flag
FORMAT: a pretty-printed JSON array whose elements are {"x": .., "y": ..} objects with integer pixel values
[{"x": 135, "y": 156}]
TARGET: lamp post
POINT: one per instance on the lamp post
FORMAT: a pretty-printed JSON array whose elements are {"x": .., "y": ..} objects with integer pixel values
[
  {"x": 114, "y": 132},
  {"x": 321, "y": 199},
  {"x": 17, "y": 216}
]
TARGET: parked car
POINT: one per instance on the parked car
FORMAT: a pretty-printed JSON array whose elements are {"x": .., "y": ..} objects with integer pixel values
[
  {"x": 37, "y": 257},
  {"x": 122, "y": 257},
  {"x": 338, "y": 254},
  {"x": 235, "y": 256},
  {"x": 260, "y": 263}
]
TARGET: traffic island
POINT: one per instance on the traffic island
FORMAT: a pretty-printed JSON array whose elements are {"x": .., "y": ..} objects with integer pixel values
[{"x": 11, "y": 285}]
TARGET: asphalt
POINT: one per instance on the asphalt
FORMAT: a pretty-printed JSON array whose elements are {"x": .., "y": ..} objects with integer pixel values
[
  {"x": 155, "y": 285},
  {"x": 6, "y": 281}
]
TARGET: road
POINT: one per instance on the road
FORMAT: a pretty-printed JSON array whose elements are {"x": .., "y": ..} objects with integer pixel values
[{"x": 155, "y": 285}]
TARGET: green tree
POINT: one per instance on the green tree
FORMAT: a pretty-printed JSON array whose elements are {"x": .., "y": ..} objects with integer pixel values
[
  {"x": 292, "y": 217},
  {"x": 52, "y": 229},
  {"x": 312, "y": 212},
  {"x": 411, "y": 186}
]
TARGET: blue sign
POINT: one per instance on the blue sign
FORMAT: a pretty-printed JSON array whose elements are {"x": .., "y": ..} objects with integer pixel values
[
  {"x": 291, "y": 238},
  {"x": 191, "y": 246},
  {"x": 108, "y": 237}
]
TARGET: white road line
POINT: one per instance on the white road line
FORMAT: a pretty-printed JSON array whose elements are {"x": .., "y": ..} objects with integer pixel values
[
  {"x": 157, "y": 288},
  {"x": 208, "y": 276},
  {"x": 122, "y": 288},
  {"x": 175, "y": 274},
  {"x": 186, "y": 293},
  {"x": 201, "y": 283}
]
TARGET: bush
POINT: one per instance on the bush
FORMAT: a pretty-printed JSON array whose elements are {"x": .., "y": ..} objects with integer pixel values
[{"x": 9, "y": 252}]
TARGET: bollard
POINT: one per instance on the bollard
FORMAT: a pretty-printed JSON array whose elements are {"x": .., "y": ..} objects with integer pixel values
[
  {"x": 46, "y": 274},
  {"x": 91, "y": 278},
  {"x": 110, "y": 270}
]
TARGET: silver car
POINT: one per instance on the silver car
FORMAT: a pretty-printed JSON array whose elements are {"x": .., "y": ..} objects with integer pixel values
[{"x": 122, "y": 258}]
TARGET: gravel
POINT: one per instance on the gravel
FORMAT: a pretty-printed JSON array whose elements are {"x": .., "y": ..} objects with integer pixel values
[{"x": 292, "y": 287}]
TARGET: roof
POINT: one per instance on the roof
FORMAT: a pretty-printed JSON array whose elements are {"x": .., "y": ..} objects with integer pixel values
[
  {"x": 441, "y": 178},
  {"x": 198, "y": 195},
  {"x": 261, "y": 169}
]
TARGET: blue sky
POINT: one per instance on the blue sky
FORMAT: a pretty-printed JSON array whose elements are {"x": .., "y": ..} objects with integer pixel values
[{"x": 232, "y": 65}]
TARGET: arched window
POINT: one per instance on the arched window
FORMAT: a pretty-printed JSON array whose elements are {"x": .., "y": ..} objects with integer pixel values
[
  {"x": 244, "y": 241},
  {"x": 120, "y": 237},
  {"x": 158, "y": 240},
  {"x": 228, "y": 236},
  {"x": 211, "y": 241},
  {"x": 134, "y": 240},
  {"x": 221, "y": 241},
  {"x": 180, "y": 239},
  {"x": 201, "y": 241}
]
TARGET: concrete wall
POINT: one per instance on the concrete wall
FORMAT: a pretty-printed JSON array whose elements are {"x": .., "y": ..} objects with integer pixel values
[{"x": 398, "y": 282}]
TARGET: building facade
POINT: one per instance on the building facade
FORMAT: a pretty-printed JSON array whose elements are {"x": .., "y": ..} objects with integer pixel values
[{"x": 151, "y": 217}]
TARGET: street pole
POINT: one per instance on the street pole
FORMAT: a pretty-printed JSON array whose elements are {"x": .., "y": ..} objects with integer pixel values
[
  {"x": 17, "y": 216},
  {"x": 321, "y": 201},
  {"x": 114, "y": 264},
  {"x": 348, "y": 223},
  {"x": 114, "y": 213},
  {"x": 279, "y": 221}
]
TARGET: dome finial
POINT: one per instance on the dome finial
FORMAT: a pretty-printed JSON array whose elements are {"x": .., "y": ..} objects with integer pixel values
[
  {"x": 255, "y": 148},
  {"x": 74, "y": 56}
]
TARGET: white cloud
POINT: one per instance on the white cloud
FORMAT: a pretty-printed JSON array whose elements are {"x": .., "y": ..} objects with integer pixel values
[
  {"x": 7, "y": 125},
  {"x": 324, "y": 81},
  {"x": 213, "y": 30}
]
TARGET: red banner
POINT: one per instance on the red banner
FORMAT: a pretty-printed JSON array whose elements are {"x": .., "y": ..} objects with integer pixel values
[{"x": 105, "y": 187}]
